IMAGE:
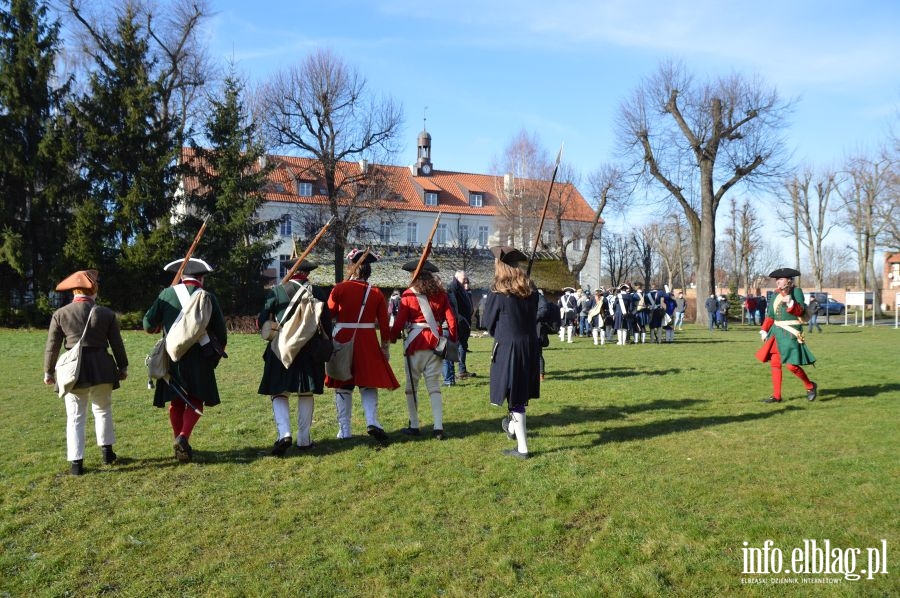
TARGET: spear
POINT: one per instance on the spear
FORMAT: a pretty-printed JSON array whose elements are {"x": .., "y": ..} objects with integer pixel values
[
  {"x": 189, "y": 253},
  {"x": 312, "y": 244},
  {"x": 427, "y": 251},
  {"x": 537, "y": 237}
]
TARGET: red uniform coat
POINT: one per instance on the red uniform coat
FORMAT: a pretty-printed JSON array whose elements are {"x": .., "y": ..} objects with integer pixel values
[
  {"x": 410, "y": 312},
  {"x": 371, "y": 368}
]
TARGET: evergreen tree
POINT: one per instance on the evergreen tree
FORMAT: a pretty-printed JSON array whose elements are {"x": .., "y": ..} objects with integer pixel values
[
  {"x": 34, "y": 179},
  {"x": 230, "y": 177},
  {"x": 128, "y": 155}
]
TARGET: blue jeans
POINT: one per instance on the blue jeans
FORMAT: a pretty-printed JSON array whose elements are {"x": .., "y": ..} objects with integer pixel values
[
  {"x": 450, "y": 367},
  {"x": 679, "y": 319}
]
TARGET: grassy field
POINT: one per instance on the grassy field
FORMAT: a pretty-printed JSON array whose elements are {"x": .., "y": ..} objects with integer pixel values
[{"x": 652, "y": 467}]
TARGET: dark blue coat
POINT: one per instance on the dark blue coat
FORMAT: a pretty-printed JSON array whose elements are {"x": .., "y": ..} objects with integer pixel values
[{"x": 515, "y": 372}]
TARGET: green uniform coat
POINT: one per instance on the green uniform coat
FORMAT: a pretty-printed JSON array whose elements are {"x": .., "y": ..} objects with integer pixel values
[
  {"x": 194, "y": 371},
  {"x": 789, "y": 347}
]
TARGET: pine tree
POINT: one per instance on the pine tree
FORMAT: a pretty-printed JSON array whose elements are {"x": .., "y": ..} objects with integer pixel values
[
  {"x": 230, "y": 179},
  {"x": 128, "y": 155},
  {"x": 34, "y": 179}
]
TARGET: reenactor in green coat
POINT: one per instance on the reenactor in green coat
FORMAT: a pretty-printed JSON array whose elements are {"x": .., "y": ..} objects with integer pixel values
[{"x": 192, "y": 379}]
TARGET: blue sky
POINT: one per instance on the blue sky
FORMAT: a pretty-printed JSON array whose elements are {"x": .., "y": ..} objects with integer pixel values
[{"x": 486, "y": 70}]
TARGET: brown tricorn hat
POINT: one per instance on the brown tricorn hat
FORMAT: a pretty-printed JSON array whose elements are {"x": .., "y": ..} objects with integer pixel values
[
  {"x": 508, "y": 255},
  {"x": 83, "y": 279}
]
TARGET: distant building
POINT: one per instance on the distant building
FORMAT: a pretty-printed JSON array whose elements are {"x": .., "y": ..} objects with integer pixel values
[{"x": 400, "y": 203}]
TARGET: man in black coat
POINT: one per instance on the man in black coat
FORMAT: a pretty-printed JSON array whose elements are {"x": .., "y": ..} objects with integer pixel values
[{"x": 461, "y": 303}]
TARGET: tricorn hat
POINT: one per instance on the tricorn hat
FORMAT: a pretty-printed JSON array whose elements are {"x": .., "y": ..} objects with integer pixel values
[
  {"x": 83, "y": 279},
  {"x": 784, "y": 273},
  {"x": 508, "y": 255},
  {"x": 194, "y": 267},
  {"x": 410, "y": 266},
  {"x": 356, "y": 254},
  {"x": 624, "y": 287},
  {"x": 569, "y": 289},
  {"x": 305, "y": 265}
]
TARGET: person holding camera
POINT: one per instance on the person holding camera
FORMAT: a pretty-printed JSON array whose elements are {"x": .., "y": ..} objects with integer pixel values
[
  {"x": 423, "y": 307},
  {"x": 782, "y": 335}
]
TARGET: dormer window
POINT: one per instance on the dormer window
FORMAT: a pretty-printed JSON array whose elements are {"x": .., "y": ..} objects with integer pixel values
[
  {"x": 431, "y": 198},
  {"x": 476, "y": 200},
  {"x": 304, "y": 189}
]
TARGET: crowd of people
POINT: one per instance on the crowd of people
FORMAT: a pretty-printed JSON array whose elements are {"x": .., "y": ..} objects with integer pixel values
[
  {"x": 307, "y": 329},
  {"x": 626, "y": 314}
]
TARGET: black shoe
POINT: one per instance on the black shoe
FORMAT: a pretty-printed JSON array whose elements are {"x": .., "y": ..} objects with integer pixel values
[
  {"x": 183, "y": 451},
  {"x": 77, "y": 467},
  {"x": 306, "y": 447},
  {"x": 109, "y": 457},
  {"x": 439, "y": 435},
  {"x": 771, "y": 400},
  {"x": 377, "y": 433},
  {"x": 409, "y": 431},
  {"x": 281, "y": 446},
  {"x": 515, "y": 453},
  {"x": 813, "y": 392}
]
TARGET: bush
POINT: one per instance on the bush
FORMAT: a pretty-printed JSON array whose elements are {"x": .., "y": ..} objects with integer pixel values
[{"x": 131, "y": 320}]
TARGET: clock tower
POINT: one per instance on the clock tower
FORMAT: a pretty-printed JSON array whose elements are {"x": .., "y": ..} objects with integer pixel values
[{"x": 423, "y": 166}]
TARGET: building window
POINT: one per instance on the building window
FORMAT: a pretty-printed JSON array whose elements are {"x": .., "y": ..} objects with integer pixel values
[
  {"x": 476, "y": 200},
  {"x": 412, "y": 233},
  {"x": 384, "y": 233},
  {"x": 464, "y": 235},
  {"x": 282, "y": 269},
  {"x": 440, "y": 235},
  {"x": 285, "y": 226},
  {"x": 483, "y": 236},
  {"x": 304, "y": 189},
  {"x": 578, "y": 244},
  {"x": 431, "y": 198}
]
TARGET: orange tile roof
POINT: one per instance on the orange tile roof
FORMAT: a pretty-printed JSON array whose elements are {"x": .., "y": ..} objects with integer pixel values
[{"x": 452, "y": 187}]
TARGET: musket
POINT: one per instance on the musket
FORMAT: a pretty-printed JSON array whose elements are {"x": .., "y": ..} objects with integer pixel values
[
  {"x": 189, "y": 253},
  {"x": 537, "y": 236},
  {"x": 312, "y": 244},
  {"x": 427, "y": 251}
]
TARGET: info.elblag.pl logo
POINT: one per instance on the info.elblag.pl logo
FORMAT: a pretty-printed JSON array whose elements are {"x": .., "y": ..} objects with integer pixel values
[{"x": 814, "y": 558}]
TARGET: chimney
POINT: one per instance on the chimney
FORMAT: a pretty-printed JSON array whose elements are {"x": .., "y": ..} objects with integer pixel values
[
  {"x": 509, "y": 183},
  {"x": 261, "y": 161},
  {"x": 364, "y": 166}
]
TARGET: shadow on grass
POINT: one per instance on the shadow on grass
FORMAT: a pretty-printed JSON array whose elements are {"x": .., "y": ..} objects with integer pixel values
[
  {"x": 681, "y": 424},
  {"x": 869, "y": 390}
]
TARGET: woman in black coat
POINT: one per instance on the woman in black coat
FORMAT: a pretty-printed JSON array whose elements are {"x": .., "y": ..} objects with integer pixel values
[{"x": 510, "y": 315}]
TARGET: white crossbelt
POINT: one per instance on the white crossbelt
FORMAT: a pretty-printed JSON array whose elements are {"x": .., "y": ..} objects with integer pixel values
[{"x": 340, "y": 325}]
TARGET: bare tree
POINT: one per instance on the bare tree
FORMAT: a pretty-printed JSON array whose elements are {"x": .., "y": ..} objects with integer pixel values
[
  {"x": 867, "y": 185},
  {"x": 810, "y": 199},
  {"x": 743, "y": 239},
  {"x": 618, "y": 257},
  {"x": 643, "y": 256},
  {"x": 322, "y": 109},
  {"x": 182, "y": 64},
  {"x": 698, "y": 141},
  {"x": 523, "y": 165}
]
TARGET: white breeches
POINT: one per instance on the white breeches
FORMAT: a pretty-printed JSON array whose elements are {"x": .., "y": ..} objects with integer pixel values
[{"x": 100, "y": 398}]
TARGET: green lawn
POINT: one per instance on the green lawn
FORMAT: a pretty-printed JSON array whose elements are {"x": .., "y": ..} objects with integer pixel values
[{"x": 652, "y": 466}]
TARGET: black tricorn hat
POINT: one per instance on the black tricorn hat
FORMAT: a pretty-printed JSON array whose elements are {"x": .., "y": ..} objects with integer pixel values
[
  {"x": 305, "y": 265},
  {"x": 784, "y": 273},
  {"x": 194, "y": 266},
  {"x": 410, "y": 266},
  {"x": 508, "y": 255},
  {"x": 356, "y": 254}
]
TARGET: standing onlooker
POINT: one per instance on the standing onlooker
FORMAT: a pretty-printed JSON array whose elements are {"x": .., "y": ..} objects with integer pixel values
[
  {"x": 99, "y": 372},
  {"x": 812, "y": 310},
  {"x": 424, "y": 306},
  {"x": 712, "y": 310},
  {"x": 306, "y": 374},
  {"x": 510, "y": 314},
  {"x": 680, "y": 309},
  {"x": 585, "y": 303},
  {"x": 782, "y": 334},
  {"x": 723, "y": 312},
  {"x": 393, "y": 306},
  {"x": 750, "y": 309},
  {"x": 358, "y": 308},
  {"x": 461, "y": 303},
  {"x": 192, "y": 379},
  {"x": 760, "y": 309}
]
